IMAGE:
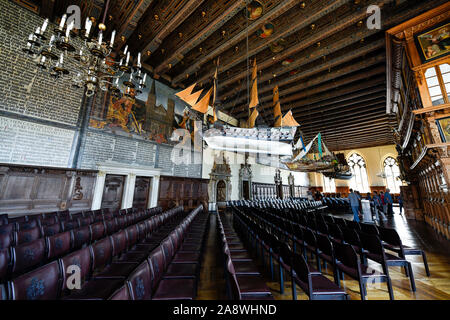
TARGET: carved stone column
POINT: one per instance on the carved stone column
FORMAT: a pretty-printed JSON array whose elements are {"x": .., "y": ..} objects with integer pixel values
[
  {"x": 291, "y": 182},
  {"x": 98, "y": 191},
  {"x": 278, "y": 184}
]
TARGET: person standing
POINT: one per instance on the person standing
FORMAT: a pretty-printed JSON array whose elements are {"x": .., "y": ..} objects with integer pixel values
[
  {"x": 388, "y": 200},
  {"x": 400, "y": 202},
  {"x": 383, "y": 204},
  {"x": 354, "y": 204}
]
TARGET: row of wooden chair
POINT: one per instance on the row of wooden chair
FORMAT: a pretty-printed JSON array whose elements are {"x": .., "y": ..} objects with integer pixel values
[
  {"x": 17, "y": 258},
  {"x": 171, "y": 270},
  {"x": 244, "y": 282},
  {"x": 311, "y": 281},
  {"x": 318, "y": 241},
  {"x": 101, "y": 259}
]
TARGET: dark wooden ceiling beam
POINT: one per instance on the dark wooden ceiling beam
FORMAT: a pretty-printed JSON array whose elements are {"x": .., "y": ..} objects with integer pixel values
[
  {"x": 337, "y": 147},
  {"x": 178, "y": 55},
  {"x": 336, "y": 45},
  {"x": 355, "y": 113},
  {"x": 171, "y": 24},
  {"x": 295, "y": 88},
  {"x": 320, "y": 67},
  {"x": 312, "y": 13},
  {"x": 297, "y": 111},
  {"x": 348, "y": 124},
  {"x": 324, "y": 33},
  {"x": 355, "y": 130},
  {"x": 369, "y": 100},
  {"x": 129, "y": 26},
  {"x": 47, "y": 9},
  {"x": 346, "y": 140}
]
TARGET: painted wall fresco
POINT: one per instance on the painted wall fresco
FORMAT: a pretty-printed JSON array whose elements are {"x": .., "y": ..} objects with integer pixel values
[{"x": 152, "y": 115}]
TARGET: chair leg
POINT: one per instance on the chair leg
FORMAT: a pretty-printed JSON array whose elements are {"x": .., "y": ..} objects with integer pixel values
[
  {"x": 389, "y": 285},
  {"x": 319, "y": 265},
  {"x": 425, "y": 262},
  {"x": 281, "y": 278},
  {"x": 271, "y": 264},
  {"x": 336, "y": 276},
  {"x": 362, "y": 290},
  {"x": 294, "y": 289},
  {"x": 411, "y": 277}
]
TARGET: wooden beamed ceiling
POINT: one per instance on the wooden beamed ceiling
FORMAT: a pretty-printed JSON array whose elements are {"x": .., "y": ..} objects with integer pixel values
[{"x": 331, "y": 71}]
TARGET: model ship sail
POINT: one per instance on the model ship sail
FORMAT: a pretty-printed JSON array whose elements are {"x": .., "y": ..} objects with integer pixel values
[
  {"x": 276, "y": 108},
  {"x": 267, "y": 140},
  {"x": 254, "y": 101},
  {"x": 288, "y": 119}
]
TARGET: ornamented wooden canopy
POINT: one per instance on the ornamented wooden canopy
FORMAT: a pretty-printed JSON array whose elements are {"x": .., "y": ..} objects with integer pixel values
[{"x": 329, "y": 66}]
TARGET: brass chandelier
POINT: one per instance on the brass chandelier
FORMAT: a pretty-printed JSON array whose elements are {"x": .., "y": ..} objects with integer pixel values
[{"x": 85, "y": 57}]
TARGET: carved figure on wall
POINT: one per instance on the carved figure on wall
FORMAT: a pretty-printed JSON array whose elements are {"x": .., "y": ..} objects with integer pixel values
[
  {"x": 77, "y": 194},
  {"x": 221, "y": 191}
]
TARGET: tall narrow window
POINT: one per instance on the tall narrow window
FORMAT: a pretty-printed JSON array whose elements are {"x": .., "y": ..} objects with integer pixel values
[
  {"x": 328, "y": 184},
  {"x": 438, "y": 83},
  {"x": 392, "y": 171},
  {"x": 359, "y": 180}
]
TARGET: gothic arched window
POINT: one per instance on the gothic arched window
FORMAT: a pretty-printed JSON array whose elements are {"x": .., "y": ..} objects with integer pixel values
[
  {"x": 359, "y": 180},
  {"x": 328, "y": 184},
  {"x": 392, "y": 171}
]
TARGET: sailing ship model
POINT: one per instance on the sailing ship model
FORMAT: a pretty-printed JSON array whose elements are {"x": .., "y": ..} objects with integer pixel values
[
  {"x": 329, "y": 164},
  {"x": 276, "y": 140},
  {"x": 300, "y": 161}
]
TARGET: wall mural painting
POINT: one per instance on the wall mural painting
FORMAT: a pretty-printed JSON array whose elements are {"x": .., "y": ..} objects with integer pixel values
[
  {"x": 137, "y": 114},
  {"x": 434, "y": 43}
]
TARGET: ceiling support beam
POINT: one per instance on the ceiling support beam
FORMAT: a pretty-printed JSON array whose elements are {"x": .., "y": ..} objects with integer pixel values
[
  {"x": 178, "y": 55},
  {"x": 127, "y": 28},
  {"x": 173, "y": 23},
  {"x": 308, "y": 42},
  {"x": 329, "y": 49},
  {"x": 295, "y": 88},
  {"x": 317, "y": 10},
  {"x": 320, "y": 67}
]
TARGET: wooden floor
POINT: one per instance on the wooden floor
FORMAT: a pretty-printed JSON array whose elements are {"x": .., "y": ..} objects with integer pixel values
[{"x": 413, "y": 233}]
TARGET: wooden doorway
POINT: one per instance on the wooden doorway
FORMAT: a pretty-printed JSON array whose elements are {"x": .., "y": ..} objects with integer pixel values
[
  {"x": 113, "y": 192},
  {"x": 141, "y": 195},
  {"x": 245, "y": 190}
]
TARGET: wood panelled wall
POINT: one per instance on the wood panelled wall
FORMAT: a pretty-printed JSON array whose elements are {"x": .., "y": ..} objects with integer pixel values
[
  {"x": 25, "y": 189},
  {"x": 187, "y": 192},
  {"x": 424, "y": 155}
]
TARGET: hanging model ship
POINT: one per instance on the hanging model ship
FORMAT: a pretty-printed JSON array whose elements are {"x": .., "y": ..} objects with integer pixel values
[
  {"x": 329, "y": 164},
  {"x": 299, "y": 162},
  {"x": 275, "y": 140},
  {"x": 341, "y": 169}
]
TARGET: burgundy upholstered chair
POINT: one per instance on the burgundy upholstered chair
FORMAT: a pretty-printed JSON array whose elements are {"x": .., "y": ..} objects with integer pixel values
[
  {"x": 81, "y": 237},
  {"x": 168, "y": 289},
  {"x": 58, "y": 245},
  {"x": 29, "y": 235},
  {"x": 140, "y": 282},
  {"x": 28, "y": 256},
  {"x": 50, "y": 230},
  {"x": 97, "y": 231},
  {"x": 121, "y": 294},
  {"x": 43, "y": 283}
]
